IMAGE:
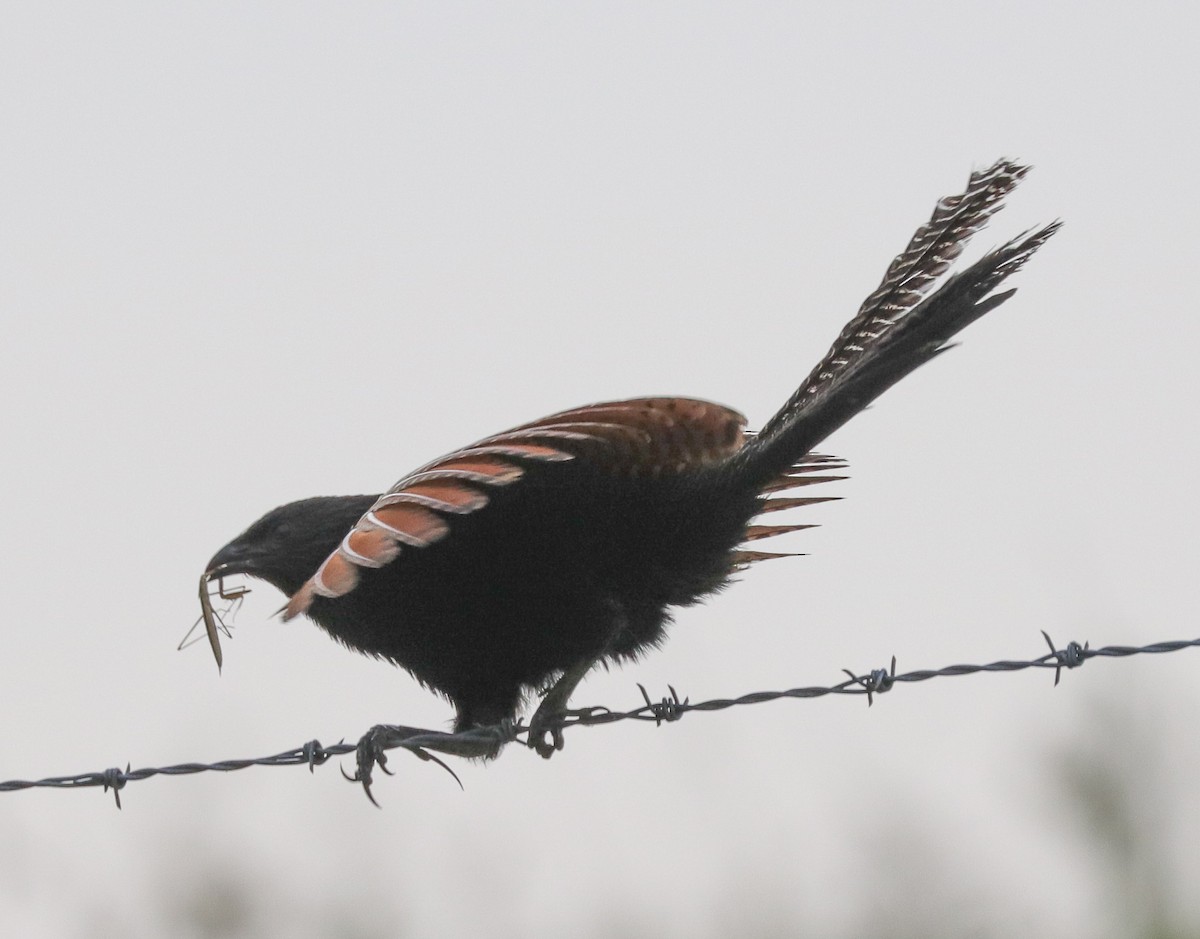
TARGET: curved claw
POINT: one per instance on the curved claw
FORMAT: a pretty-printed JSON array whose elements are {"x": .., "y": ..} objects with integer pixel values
[
  {"x": 368, "y": 754},
  {"x": 358, "y": 777},
  {"x": 429, "y": 757}
]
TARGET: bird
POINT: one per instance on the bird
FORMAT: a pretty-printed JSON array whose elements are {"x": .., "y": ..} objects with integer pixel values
[{"x": 513, "y": 566}]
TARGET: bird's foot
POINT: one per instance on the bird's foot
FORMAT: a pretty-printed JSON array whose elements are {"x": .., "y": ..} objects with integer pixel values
[
  {"x": 478, "y": 743},
  {"x": 546, "y": 723},
  {"x": 545, "y": 732}
]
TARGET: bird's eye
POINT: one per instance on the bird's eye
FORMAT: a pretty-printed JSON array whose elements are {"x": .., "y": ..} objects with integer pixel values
[{"x": 283, "y": 530}]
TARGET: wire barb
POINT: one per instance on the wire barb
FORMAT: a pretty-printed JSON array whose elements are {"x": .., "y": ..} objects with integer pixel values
[
  {"x": 114, "y": 778},
  {"x": 487, "y": 742},
  {"x": 667, "y": 709},
  {"x": 877, "y": 681},
  {"x": 314, "y": 754},
  {"x": 1072, "y": 656}
]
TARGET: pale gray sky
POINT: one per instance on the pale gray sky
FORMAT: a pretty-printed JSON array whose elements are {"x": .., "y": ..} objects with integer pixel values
[{"x": 254, "y": 252}]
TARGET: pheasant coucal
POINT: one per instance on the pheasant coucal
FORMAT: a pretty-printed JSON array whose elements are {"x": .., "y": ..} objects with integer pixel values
[{"x": 519, "y": 562}]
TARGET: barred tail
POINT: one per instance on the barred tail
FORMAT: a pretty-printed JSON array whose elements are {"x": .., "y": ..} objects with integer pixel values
[{"x": 900, "y": 326}]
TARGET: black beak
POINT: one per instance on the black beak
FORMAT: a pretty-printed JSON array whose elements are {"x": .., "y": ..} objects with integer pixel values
[{"x": 234, "y": 558}]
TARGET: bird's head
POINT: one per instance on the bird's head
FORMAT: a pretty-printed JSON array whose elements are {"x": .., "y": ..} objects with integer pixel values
[{"x": 284, "y": 548}]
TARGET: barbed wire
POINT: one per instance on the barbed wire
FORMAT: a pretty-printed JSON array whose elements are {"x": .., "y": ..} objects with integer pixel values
[{"x": 371, "y": 750}]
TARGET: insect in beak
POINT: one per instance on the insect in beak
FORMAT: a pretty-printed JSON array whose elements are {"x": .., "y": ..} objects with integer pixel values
[{"x": 215, "y": 621}]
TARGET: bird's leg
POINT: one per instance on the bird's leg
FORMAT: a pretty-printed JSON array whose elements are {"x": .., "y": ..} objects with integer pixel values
[
  {"x": 545, "y": 720},
  {"x": 482, "y": 743},
  {"x": 554, "y": 707}
]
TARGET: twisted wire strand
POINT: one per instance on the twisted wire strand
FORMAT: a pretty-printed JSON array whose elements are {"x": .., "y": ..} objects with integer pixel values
[{"x": 669, "y": 708}]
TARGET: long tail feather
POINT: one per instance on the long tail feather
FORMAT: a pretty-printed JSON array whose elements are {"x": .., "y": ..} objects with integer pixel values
[{"x": 901, "y": 325}]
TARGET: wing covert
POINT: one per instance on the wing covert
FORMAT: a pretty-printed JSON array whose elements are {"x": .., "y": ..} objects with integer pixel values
[{"x": 641, "y": 436}]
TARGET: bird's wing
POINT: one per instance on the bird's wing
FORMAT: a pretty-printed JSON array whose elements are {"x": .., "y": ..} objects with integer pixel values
[{"x": 642, "y": 436}]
